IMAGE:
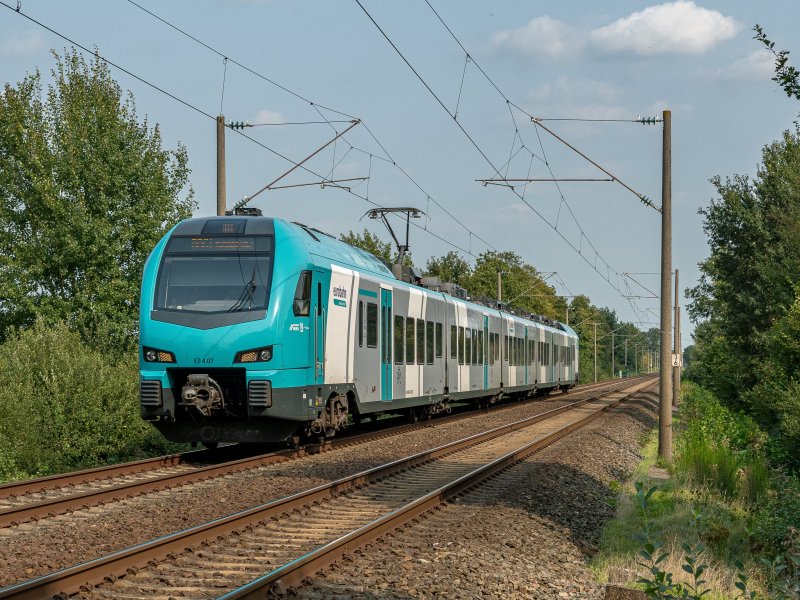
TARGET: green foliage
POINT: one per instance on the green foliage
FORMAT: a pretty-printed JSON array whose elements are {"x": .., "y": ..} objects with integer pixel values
[
  {"x": 778, "y": 514},
  {"x": 703, "y": 417},
  {"x": 86, "y": 191},
  {"x": 450, "y": 268},
  {"x": 660, "y": 583},
  {"x": 787, "y": 76},
  {"x": 784, "y": 567},
  {"x": 720, "y": 448},
  {"x": 370, "y": 243},
  {"x": 65, "y": 405},
  {"x": 747, "y": 351}
]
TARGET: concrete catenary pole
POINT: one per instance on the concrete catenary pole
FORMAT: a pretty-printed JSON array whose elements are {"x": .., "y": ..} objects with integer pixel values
[
  {"x": 595, "y": 352},
  {"x": 665, "y": 380},
  {"x": 499, "y": 286},
  {"x": 221, "y": 200},
  {"x": 626, "y": 354},
  {"x": 613, "y": 362},
  {"x": 676, "y": 370}
]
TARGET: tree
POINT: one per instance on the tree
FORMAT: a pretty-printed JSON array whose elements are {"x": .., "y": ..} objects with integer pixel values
[
  {"x": 86, "y": 191},
  {"x": 371, "y": 243},
  {"x": 375, "y": 246},
  {"x": 748, "y": 281},
  {"x": 450, "y": 267},
  {"x": 523, "y": 287}
]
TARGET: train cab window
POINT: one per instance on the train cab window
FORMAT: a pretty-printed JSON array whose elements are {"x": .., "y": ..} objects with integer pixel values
[
  {"x": 420, "y": 342},
  {"x": 439, "y": 340},
  {"x": 468, "y": 347},
  {"x": 409, "y": 341},
  {"x": 429, "y": 342},
  {"x": 399, "y": 338},
  {"x": 453, "y": 342},
  {"x": 302, "y": 295},
  {"x": 372, "y": 325},
  {"x": 461, "y": 345},
  {"x": 360, "y": 323}
]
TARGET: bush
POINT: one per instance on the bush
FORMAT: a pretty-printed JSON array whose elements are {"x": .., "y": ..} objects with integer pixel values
[
  {"x": 778, "y": 514},
  {"x": 777, "y": 405},
  {"x": 66, "y": 406},
  {"x": 703, "y": 417}
]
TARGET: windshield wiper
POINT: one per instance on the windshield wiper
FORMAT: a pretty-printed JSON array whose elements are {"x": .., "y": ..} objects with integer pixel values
[{"x": 247, "y": 294}]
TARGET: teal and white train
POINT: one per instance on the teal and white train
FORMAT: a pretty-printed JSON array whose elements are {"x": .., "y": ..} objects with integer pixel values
[{"x": 258, "y": 330}]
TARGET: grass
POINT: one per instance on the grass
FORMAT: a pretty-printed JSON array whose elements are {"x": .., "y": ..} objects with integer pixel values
[{"x": 718, "y": 482}]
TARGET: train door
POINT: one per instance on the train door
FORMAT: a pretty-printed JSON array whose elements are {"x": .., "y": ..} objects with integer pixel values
[
  {"x": 486, "y": 347},
  {"x": 386, "y": 344},
  {"x": 319, "y": 293}
]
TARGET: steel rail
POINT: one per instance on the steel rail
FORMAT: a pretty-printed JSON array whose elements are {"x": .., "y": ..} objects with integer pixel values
[
  {"x": 73, "y": 579},
  {"x": 293, "y": 573},
  {"x": 50, "y": 507},
  {"x": 51, "y": 482}
]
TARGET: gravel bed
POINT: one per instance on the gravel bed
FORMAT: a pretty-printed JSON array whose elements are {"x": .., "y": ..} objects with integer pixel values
[
  {"x": 33, "y": 549},
  {"x": 527, "y": 533}
]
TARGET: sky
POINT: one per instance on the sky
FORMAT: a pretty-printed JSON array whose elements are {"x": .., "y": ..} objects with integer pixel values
[{"x": 438, "y": 118}]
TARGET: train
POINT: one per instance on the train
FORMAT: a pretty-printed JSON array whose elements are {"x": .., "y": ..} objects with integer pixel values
[{"x": 258, "y": 330}]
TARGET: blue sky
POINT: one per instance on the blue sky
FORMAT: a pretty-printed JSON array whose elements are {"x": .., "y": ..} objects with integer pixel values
[{"x": 612, "y": 60}]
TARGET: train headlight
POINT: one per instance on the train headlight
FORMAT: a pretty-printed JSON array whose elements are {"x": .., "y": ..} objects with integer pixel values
[
  {"x": 256, "y": 355},
  {"x": 153, "y": 355}
]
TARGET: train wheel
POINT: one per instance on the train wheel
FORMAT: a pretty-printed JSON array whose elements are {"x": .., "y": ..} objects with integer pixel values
[
  {"x": 413, "y": 415},
  {"x": 211, "y": 445}
]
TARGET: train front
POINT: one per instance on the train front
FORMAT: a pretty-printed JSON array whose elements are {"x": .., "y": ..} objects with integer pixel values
[{"x": 214, "y": 366}]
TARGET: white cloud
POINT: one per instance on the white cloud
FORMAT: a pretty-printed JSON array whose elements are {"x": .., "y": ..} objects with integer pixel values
[
  {"x": 579, "y": 98},
  {"x": 759, "y": 64},
  {"x": 22, "y": 43},
  {"x": 268, "y": 116},
  {"x": 679, "y": 27},
  {"x": 542, "y": 36}
]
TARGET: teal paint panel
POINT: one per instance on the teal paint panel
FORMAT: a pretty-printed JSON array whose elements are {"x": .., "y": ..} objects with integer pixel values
[
  {"x": 371, "y": 294},
  {"x": 386, "y": 344}
]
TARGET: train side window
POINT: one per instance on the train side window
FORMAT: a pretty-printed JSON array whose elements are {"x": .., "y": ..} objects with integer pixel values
[
  {"x": 453, "y": 342},
  {"x": 302, "y": 295},
  {"x": 399, "y": 336},
  {"x": 409, "y": 340},
  {"x": 372, "y": 325},
  {"x": 497, "y": 346},
  {"x": 420, "y": 342},
  {"x": 360, "y": 323},
  {"x": 474, "y": 347},
  {"x": 480, "y": 347},
  {"x": 505, "y": 343},
  {"x": 439, "y": 340},
  {"x": 461, "y": 345},
  {"x": 429, "y": 342},
  {"x": 468, "y": 347}
]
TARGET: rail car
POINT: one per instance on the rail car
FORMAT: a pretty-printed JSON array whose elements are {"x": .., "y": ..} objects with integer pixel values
[{"x": 254, "y": 329}]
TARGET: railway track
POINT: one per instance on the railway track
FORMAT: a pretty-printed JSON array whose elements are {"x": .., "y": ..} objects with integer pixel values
[
  {"x": 295, "y": 537},
  {"x": 36, "y": 499}
]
